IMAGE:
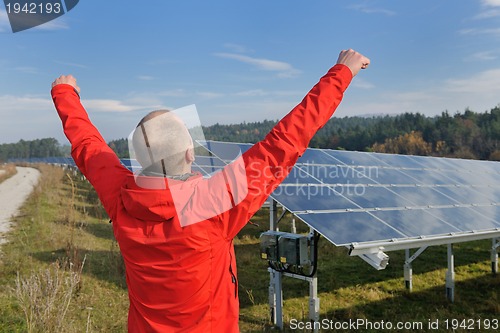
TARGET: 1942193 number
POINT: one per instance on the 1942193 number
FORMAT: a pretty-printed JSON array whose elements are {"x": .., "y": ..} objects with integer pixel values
[{"x": 33, "y": 8}]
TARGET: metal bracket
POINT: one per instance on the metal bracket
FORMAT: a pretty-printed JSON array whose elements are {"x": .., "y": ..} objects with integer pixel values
[{"x": 408, "y": 270}]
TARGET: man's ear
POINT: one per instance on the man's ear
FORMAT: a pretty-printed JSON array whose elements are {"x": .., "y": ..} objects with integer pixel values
[{"x": 190, "y": 155}]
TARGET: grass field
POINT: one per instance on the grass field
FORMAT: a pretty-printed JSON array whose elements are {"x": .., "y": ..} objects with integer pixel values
[{"x": 62, "y": 272}]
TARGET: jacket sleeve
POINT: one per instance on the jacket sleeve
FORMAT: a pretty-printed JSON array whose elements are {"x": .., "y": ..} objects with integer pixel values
[
  {"x": 95, "y": 159},
  {"x": 268, "y": 162}
]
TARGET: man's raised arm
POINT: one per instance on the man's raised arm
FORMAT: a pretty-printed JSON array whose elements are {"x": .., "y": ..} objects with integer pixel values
[
  {"x": 92, "y": 155},
  {"x": 269, "y": 161}
]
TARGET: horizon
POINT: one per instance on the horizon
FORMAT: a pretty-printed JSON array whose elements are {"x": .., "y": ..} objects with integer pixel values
[{"x": 65, "y": 142}]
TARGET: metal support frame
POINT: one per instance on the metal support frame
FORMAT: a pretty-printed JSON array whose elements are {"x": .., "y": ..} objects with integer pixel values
[
  {"x": 275, "y": 277},
  {"x": 276, "y": 280},
  {"x": 450, "y": 275},
  {"x": 408, "y": 270},
  {"x": 276, "y": 297},
  {"x": 494, "y": 255},
  {"x": 313, "y": 300}
]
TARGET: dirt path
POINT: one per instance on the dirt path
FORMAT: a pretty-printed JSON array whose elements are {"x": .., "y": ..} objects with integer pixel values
[{"x": 13, "y": 193}]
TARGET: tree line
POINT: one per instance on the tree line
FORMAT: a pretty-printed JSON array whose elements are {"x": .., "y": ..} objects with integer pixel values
[
  {"x": 465, "y": 134},
  {"x": 48, "y": 147}
]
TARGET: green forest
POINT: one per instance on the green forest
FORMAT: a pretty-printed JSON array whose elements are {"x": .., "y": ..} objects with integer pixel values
[{"x": 465, "y": 134}]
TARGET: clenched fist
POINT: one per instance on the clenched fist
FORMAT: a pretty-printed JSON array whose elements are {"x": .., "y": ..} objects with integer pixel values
[
  {"x": 66, "y": 79},
  {"x": 354, "y": 60}
]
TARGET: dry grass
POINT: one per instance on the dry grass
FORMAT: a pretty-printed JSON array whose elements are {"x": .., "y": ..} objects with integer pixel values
[
  {"x": 7, "y": 171},
  {"x": 45, "y": 296},
  {"x": 62, "y": 222}
]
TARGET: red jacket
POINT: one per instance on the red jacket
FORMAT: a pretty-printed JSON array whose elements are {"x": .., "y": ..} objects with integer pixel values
[{"x": 183, "y": 279}]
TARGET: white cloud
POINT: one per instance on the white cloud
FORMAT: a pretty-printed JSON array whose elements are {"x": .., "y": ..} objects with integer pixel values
[
  {"x": 112, "y": 105},
  {"x": 482, "y": 56},
  {"x": 487, "y": 14},
  {"x": 235, "y": 112},
  {"x": 487, "y": 82},
  {"x": 490, "y": 9},
  {"x": 56, "y": 24},
  {"x": 237, "y": 48},
  {"x": 252, "y": 93},
  {"x": 27, "y": 103},
  {"x": 173, "y": 93},
  {"x": 70, "y": 64},
  {"x": 284, "y": 69},
  {"x": 363, "y": 84},
  {"x": 476, "y": 31},
  {"x": 364, "y": 8},
  {"x": 479, "y": 92},
  {"x": 491, "y": 3},
  {"x": 4, "y": 21},
  {"x": 33, "y": 103},
  {"x": 27, "y": 70},
  {"x": 208, "y": 94}
]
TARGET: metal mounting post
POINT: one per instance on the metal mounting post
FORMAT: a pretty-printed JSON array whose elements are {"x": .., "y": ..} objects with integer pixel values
[
  {"x": 450, "y": 275},
  {"x": 494, "y": 255},
  {"x": 273, "y": 215},
  {"x": 313, "y": 301},
  {"x": 276, "y": 298},
  {"x": 408, "y": 271}
]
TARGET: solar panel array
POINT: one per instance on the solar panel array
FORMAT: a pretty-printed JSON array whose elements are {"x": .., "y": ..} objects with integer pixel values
[{"x": 356, "y": 197}]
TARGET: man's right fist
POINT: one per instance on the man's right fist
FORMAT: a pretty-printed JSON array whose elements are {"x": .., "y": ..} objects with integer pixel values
[
  {"x": 354, "y": 60},
  {"x": 66, "y": 79}
]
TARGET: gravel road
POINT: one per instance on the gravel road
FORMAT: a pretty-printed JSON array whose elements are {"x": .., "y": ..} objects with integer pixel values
[{"x": 13, "y": 193}]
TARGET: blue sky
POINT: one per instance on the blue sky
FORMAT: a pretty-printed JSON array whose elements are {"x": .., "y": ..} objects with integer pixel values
[{"x": 247, "y": 60}]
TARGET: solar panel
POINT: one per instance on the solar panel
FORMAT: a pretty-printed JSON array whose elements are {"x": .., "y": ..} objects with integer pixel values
[{"x": 356, "y": 197}]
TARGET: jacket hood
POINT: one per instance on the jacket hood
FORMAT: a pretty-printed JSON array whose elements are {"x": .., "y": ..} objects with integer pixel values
[{"x": 150, "y": 198}]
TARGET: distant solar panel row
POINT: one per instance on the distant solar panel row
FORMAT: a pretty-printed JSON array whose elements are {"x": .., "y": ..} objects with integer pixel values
[{"x": 44, "y": 160}]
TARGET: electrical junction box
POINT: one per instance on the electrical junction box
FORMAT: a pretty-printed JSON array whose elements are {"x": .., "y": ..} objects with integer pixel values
[
  {"x": 292, "y": 249},
  {"x": 269, "y": 245},
  {"x": 285, "y": 248}
]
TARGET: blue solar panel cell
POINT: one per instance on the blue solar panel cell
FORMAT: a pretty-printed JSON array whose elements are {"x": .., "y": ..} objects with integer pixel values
[
  {"x": 464, "y": 194},
  {"x": 310, "y": 198},
  {"x": 209, "y": 161},
  {"x": 464, "y": 218},
  {"x": 355, "y": 158},
  {"x": 386, "y": 176},
  {"x": 317, "y": 156},
  {"x": 335, "y": 174},
  {"x": 491, "y": 212},
  {"x": 345, "y": 228},
  {"x": 299, "y": 176},
  {"x": 373, "y": 197},
  {"x": 416, "y": 222},
  {"x": 424, "y": 177},
  {"x": 396, "y": 161},
  {"x": 225, "y": 151},
  {"x": 423, "y": 196},
  {"x": 436, "y": 163}
]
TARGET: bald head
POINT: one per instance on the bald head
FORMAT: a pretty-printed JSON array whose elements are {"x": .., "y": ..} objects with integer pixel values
[{"x": 162, "y": 144}]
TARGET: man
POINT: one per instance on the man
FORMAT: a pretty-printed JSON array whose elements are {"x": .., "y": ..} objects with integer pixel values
[{"x": 181, "y": 277}]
